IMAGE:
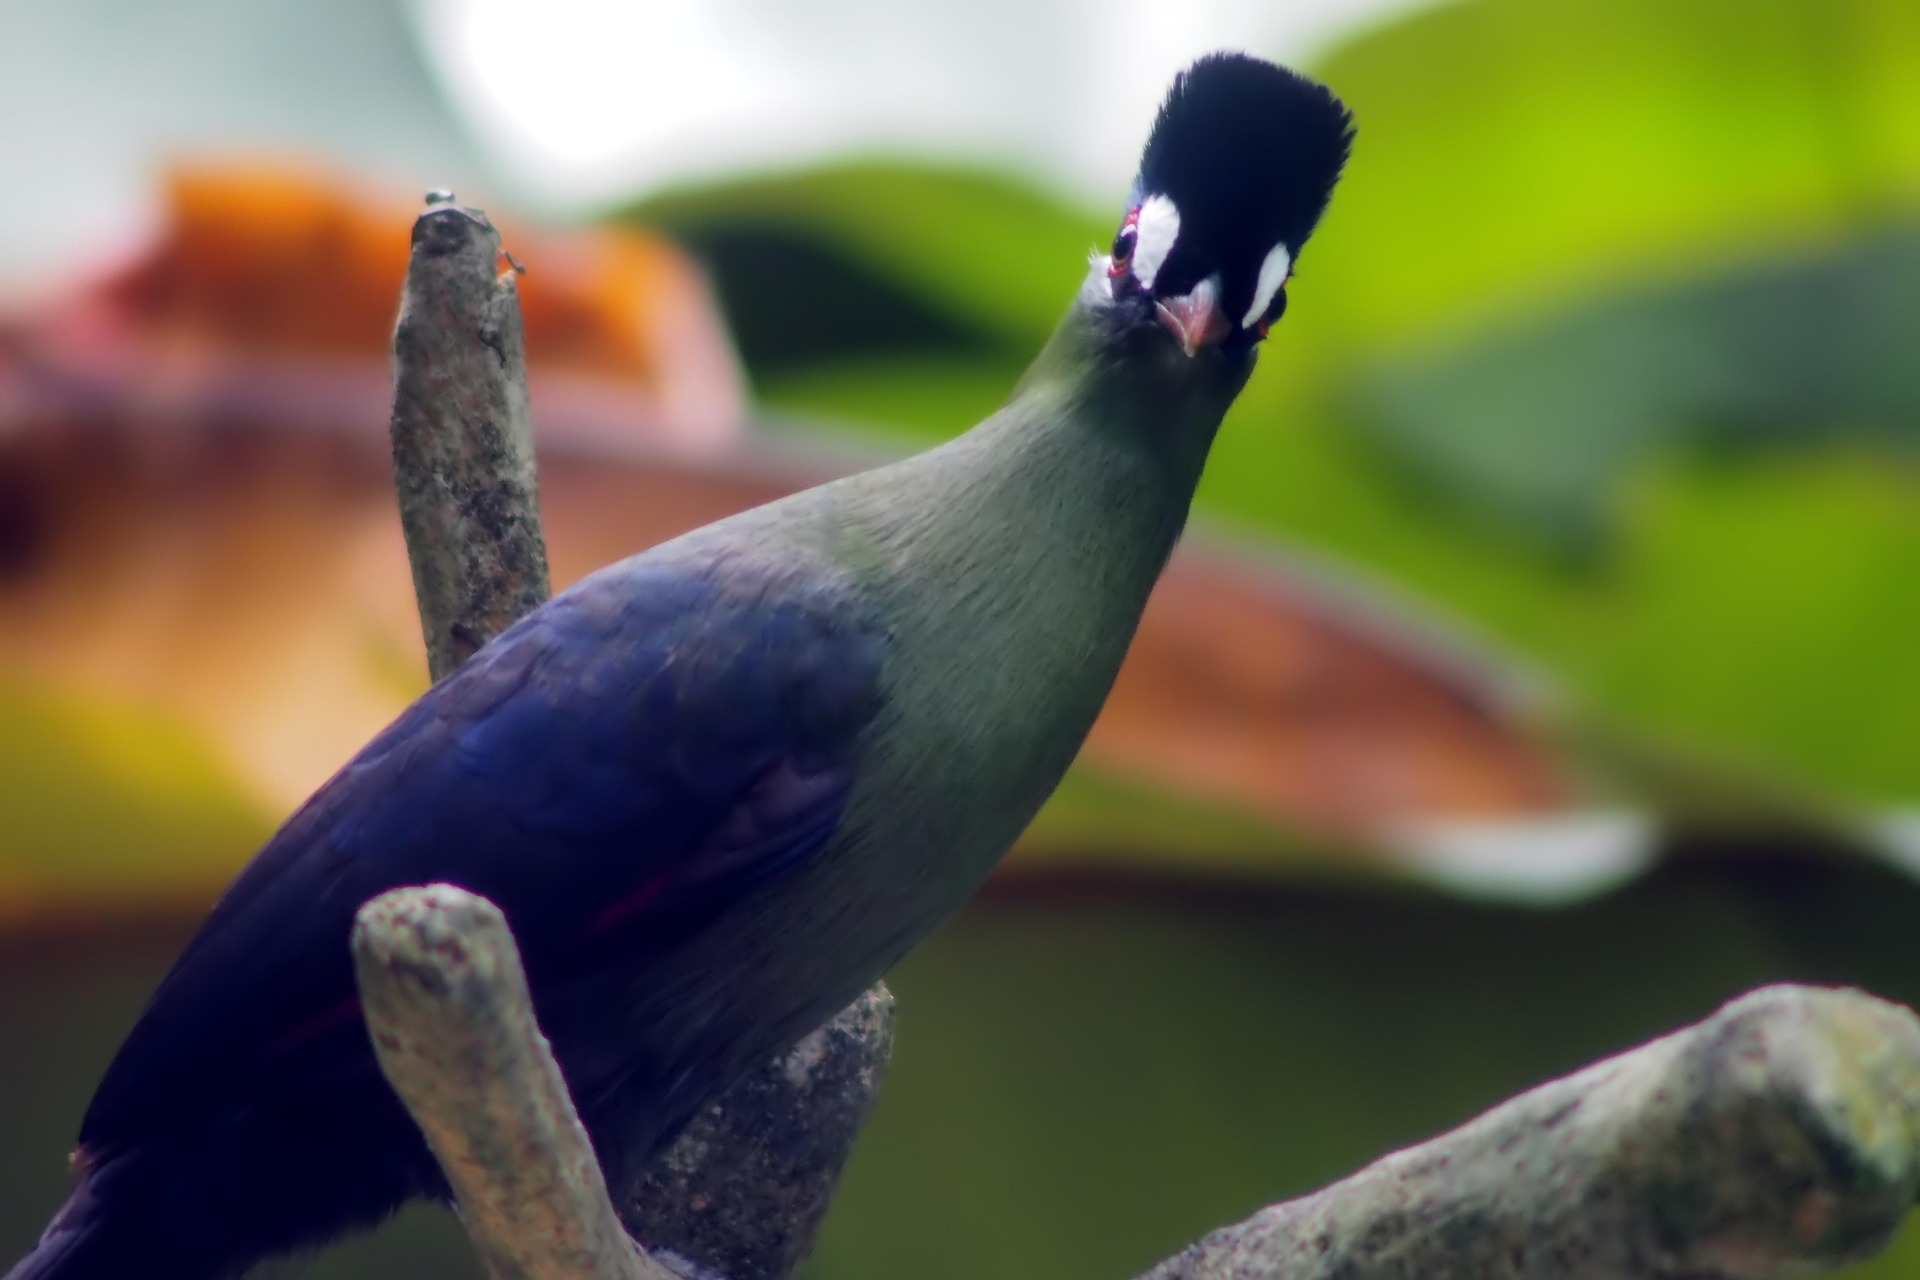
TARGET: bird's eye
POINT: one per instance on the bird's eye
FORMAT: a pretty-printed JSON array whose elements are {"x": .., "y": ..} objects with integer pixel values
[
  {"x": 1275, "y": 309},
  {"x": 1123, "y": 242}
]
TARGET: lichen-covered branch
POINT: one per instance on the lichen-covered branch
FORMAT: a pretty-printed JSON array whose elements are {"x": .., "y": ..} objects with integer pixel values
[
  {"x": 446, "y": 1001},
  {"x": 1780, "y": 1137},
  {"x": 463, "y": 437},
  {"x": 746, "y": 1187}
]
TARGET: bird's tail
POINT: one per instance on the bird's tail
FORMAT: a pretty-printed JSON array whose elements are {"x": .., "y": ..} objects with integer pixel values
[
  {"x": 72, "y": 1251},
  {"x": 110, "y": 1227}
]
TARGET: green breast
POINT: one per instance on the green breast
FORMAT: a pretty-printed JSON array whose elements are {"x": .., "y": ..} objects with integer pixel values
[{"x": 1011, "y": 567}]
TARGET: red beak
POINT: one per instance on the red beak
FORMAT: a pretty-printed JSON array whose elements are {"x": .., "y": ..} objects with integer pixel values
[{"x": 1195, "y": 320}]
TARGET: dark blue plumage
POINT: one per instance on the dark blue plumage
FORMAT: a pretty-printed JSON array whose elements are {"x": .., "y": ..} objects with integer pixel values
[{"x": 653, "y": 744}]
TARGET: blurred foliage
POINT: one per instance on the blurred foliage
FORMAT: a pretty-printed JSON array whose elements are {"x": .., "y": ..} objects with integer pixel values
[
  {"x": 946, "y": 284},
  {"x": 984, "y": 249},
  {"x": 109, "y": 795},
  {"x": 1705, "y": 200},
  {"x": 1538, "y": 425},
  {"x": 1512, "y": 151}
]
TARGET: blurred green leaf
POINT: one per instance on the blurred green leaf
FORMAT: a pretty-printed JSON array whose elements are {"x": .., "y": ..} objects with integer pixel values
[
  {"x": 1511, "y": 151},
  {"x": 1760, "y": 610},
  {"x": 924, "y": 396},
  {"x": 1541, "y": 424},
  {"x": 989, "y": 252},
  {"x": 1769, "y": 611}
]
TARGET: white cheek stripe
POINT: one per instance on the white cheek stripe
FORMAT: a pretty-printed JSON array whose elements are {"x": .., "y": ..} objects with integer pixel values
[
  {"x": 1157, "y": 227},
  {"x": 1273, "y": 274}
]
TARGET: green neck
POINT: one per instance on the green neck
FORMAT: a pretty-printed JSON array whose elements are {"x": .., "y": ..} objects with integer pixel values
[
  {"x": 1094, "y": 460},
  {"x": 1011, "y": 566},
  {"x": 1137, "y": 396}
]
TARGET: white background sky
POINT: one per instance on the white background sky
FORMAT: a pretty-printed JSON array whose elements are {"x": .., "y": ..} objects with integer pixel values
[
  {"x": 557, "y": 106},
  {"x": 598, "y": 97}
]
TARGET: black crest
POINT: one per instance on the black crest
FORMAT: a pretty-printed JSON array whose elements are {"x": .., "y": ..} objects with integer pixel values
[{"x": 1248, "y": 152}]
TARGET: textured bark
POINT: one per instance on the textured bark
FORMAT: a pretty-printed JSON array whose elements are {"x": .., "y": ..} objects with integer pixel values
[
  {"x": 452, "y": 1023},
  {"x": 1780, "y": 1137},
  {"x": 463, "y": 437},
  {"x": 746, "y": 1187}
]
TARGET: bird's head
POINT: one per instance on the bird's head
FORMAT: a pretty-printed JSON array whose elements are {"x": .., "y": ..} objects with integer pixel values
[{"x": 1236, "y": 172}]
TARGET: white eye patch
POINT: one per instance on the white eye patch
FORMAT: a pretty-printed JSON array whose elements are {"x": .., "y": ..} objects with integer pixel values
[
  {"x": 1273, "y": 274},
  {"x": 1155, "y": 230}
]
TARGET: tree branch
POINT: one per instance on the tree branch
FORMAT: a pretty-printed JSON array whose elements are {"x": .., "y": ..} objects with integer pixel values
[
  {"x": 446, "y": 1001},
  {"x": 1780, "y": 1137},
  {"x": 463, "y": 438},
  {"x": 747, "y": 1185}
]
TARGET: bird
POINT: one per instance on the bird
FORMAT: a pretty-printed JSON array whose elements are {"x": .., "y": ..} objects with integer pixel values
[{"x": 720, "y": 787}]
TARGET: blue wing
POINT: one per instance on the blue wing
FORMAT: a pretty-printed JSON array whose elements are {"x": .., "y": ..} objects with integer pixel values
[{"x": 610, "y": 771}]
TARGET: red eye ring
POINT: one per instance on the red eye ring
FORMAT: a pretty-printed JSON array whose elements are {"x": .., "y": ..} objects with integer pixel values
[
  {"x": 1123, "y": 242},
  {"x": 1267, "y": 323}
]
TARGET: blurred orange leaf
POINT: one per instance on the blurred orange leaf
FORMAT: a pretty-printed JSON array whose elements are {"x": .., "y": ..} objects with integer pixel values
[{"x": 197, "y": 524}]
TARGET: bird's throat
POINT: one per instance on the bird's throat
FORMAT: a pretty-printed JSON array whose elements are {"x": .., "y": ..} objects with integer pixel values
[
  {"x": 1128, "y": 378},
  {"x": 1013, "y": 564}
]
